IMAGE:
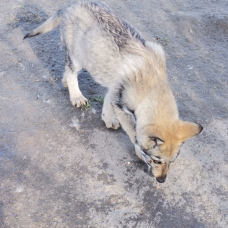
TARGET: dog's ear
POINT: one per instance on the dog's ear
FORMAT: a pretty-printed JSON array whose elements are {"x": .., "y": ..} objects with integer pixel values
[{"x": 187, "y": 130}]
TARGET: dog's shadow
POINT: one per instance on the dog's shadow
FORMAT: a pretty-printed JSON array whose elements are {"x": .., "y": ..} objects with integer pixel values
[{"x": 49, "y": 49}]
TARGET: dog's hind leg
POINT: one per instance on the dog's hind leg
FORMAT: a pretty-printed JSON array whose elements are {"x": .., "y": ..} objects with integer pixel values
[
  {"x": 70, "y": 80},
  {"x": 108, "y": 115}
]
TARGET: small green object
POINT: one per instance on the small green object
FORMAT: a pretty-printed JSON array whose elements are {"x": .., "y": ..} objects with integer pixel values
[
  {"x": 87, "y": 106},
  {"x": 98, "y": 99}
]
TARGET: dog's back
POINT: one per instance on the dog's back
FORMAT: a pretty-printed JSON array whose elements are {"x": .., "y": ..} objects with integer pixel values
[
  {"x": 92, "y": 32},
  {"x": 104, "y": 44}
]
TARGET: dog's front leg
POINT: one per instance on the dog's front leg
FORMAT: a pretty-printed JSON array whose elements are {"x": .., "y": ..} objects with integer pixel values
[
  {"x": 126, "y": 119},
  {"x": 128, "y": 122},
  {"x": 108, "y": 115}
]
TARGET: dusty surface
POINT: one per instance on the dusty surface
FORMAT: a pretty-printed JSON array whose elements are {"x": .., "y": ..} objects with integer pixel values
[{"x": 60, "y": 167}]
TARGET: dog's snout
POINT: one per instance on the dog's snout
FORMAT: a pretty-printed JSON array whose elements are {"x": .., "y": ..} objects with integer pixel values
[{"x": 161, "y": 179}]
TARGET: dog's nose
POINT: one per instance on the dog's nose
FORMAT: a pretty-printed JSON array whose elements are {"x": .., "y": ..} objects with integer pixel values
[{"x": 161, "y": 179}]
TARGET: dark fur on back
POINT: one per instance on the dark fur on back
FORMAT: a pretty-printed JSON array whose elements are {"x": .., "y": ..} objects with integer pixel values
[{"x": 120, "y": 30}]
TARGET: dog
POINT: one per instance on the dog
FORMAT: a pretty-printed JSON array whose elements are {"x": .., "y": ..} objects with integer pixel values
[{"x": 139, "y": 98}]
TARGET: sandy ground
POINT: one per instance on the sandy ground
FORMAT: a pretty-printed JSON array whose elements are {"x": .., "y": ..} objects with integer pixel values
[{"x": 60, "y": 167}]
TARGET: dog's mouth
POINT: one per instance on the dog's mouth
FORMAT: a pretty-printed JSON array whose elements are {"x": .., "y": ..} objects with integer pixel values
[
  {"x": 147, "y": 158},
  {"x": 149, "y": 161}
]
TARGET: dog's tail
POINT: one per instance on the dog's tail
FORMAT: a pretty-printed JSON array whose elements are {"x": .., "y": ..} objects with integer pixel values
[{"x": 51, "y": 23}]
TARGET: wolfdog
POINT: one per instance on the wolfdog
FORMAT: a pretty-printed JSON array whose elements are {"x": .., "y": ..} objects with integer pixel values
[{"x": 139, "y": 98}]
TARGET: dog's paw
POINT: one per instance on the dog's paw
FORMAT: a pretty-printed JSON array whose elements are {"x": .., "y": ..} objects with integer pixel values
[
  {"x": 78, "y": 101},
  {"x": 114, "y": 123},
  {"x": 64, "y": 82}
]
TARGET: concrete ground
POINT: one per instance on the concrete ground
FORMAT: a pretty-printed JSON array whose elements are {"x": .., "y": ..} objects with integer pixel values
[{"x": 60, "y": 167}]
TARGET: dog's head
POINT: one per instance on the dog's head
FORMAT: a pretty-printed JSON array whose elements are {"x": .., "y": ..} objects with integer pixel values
[{"x": 158, "y": 146}]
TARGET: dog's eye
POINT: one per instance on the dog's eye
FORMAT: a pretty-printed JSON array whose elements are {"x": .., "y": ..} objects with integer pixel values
[{"x": 157, "y": 162}]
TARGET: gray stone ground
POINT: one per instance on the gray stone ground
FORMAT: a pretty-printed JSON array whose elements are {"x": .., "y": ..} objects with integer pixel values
[{"x": 60, "y": 167}]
